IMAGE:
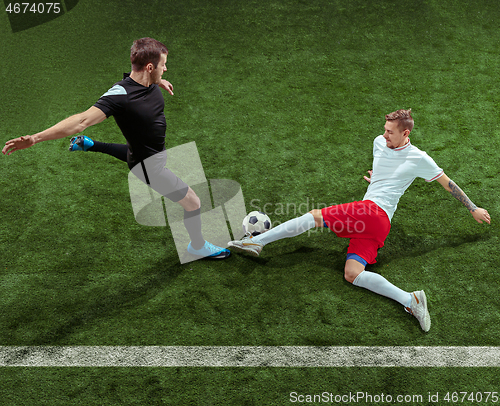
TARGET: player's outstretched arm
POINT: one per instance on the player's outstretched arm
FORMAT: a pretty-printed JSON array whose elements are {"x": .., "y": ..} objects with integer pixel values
[
  {"x": 69, "y": 126},
  {"x": 478, "y": 213}
]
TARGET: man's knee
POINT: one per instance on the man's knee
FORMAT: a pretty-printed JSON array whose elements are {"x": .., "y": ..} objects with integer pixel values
[
  {"x": 352, "y": 269},
  {"x": 318, "y": 217},
  {"x": 191, "y": 201}
]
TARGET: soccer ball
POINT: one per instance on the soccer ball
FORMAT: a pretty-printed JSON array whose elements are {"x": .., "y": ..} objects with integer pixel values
[{"x": 256, "y": 223}]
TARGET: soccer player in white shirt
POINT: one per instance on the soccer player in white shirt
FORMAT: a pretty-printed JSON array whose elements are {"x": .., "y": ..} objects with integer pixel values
[{"x": 396, "y": 164}]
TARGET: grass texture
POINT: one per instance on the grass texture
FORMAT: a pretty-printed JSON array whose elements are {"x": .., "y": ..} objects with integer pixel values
[{"x": 284, "y": 97}]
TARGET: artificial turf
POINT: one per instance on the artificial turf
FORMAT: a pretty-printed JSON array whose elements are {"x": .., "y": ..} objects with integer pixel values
[{"x": 285, "y": 97}]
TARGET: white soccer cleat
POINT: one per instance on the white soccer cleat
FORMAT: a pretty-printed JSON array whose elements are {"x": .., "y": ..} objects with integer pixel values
[
  {"x": 247, "y": 245},
  {"x": 419, "y": 309}
]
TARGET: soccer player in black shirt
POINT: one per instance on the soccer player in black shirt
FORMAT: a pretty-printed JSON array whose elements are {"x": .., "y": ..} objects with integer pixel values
[{"x": 137, "y": 105}]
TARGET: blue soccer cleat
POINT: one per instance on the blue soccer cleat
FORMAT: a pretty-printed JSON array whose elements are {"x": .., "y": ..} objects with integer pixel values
[
  {"x": 80, "y": 143},
  {"x": 209, "y": 251}
]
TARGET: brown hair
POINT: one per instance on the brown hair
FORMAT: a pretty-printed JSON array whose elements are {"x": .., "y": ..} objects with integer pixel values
[
  {"x": 144, "y": 51},
  {"x": 403, "y": 118}
]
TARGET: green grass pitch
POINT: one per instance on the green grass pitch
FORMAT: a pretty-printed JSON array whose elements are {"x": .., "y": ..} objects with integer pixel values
[{"x": 284, "y": 97}]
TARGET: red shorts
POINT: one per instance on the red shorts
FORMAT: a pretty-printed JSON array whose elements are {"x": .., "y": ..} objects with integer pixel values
[{"x": 365, "y": 223}]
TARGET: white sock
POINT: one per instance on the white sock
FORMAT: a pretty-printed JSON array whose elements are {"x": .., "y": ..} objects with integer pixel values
[
  {"x": 289, "y": 228},
  {"x": 378, "y": 284}
]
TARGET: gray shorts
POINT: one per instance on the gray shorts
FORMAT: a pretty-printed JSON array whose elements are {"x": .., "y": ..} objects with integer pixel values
[{"x": 152, "y": 171}]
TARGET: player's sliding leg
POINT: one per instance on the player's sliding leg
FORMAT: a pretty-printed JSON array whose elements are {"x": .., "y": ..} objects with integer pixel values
[
  {"x": 290, "y": 228},
  {"x": 84, "y": 143},
  {"x": 414, "y": 303}
]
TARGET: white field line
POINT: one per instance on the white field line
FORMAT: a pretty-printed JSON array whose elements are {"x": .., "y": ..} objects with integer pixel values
[{"x": 237, "y": 356}]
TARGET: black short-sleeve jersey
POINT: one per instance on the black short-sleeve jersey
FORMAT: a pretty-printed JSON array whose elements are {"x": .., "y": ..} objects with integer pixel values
[{"x": 138, "y": 111}]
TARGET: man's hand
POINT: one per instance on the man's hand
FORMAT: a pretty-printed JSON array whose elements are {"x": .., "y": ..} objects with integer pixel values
[
  {"x": 481, "y": 215},
  {"x": 368, "y": 179},
  {"x": 69, "y": 126},
  {"x": 16, "y": 144},
  {"x": 165, "y": 84}
]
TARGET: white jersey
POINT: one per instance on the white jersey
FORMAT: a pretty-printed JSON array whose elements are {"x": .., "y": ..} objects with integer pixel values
[{"x": 394, "y": 170}]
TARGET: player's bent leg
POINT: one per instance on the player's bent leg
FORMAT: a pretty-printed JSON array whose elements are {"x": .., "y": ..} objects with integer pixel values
[
  {"x": 118, "y": 151},
  {"x": 378, "y": 284},
  {"x": 414, "y": 303},
  {"x": 352, "y": 269},
  {"x": 191, "y": 201},
  {"x": 84, "y": 143}
]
